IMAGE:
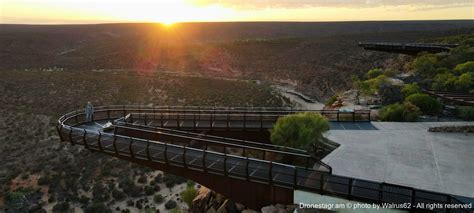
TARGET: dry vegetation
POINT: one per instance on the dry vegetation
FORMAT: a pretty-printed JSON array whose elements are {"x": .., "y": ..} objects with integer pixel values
[{"x": 30, "y": 148}]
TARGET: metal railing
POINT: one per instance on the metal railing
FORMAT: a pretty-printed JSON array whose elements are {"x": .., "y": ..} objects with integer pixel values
[
  {"x": 301, "y": 159},
  {"x": 245, "y": 168}
]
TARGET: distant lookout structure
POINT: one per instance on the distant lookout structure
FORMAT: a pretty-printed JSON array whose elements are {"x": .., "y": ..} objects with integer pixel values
[{"x": 406, "y": 48}]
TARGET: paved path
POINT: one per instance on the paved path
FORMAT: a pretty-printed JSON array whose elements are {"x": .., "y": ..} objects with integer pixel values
[{"x": 407, "y": 154}]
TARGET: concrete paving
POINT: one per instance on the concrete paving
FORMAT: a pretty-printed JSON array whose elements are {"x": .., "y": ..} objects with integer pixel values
[{"x": 407, "y": 154}]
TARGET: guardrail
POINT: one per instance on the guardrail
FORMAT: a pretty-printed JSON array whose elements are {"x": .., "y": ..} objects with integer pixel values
[{"x": 246, "y": 168}]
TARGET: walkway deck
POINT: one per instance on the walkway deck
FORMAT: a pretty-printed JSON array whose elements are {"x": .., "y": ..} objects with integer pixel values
[{"x": 229, "y": 166}]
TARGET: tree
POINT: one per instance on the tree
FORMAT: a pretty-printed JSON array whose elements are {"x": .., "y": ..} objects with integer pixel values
[
  {"x": 426, "y": 65},
  {"x": 426, "y": 103},
  {"x": 302, "y": 130},
  {"x": 444, "y": 82}
]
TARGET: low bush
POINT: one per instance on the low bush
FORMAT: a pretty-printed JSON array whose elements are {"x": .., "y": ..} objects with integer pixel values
[
  {"x": 466, "y": 112},
  {"x": 171, "y": 204},
  {"x": 400, "y": 112},
  {"x": 158, "y": 199},
  {"x": 188, "y": 195},
  {"x": 410, "y": 89},
  {"x": 426, "y": 103},
  {"x": 373, "y": 73},
  {"x": 118, "y": 195}
]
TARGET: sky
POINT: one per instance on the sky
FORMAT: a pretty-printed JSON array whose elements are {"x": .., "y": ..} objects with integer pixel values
[{"x": 171, "y": 11}]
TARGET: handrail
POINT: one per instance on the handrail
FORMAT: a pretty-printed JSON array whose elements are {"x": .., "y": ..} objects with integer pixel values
[{"x": 277, "y": 174}]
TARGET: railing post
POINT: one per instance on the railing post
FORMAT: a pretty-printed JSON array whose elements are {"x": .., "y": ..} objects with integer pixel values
[
  {"x": 108, "y": 114},
  {"x": 270, "y": 180},
  {"x": 261, "y": 120},
  {"x": 295, "y": 179},
  {"x": 225, "y": 164},
  {"x": 161, "y": 119},
  {"x": 184, "y": 157},
  {"x": 194, "y": 121},
  {"x": 227, "y": 122},
  {"x": 70, "y": 136},
  {"x": 115, "y": 142},
  {"x": 204, "y": 160},
  {"x": 247, "y": 169},
  {"x": 245, "y": 119},
  {"x": 321, "y": 184},
  {"x": 380, "y": 192},
  {"x": 130, "y": 147},
  {"x": 148, "y": 150},
  {"x": 59, "y": 128},
  {"x": 337, "y": 116},
  {"x": 146, "y": 122},
  {"x": 84, "y": 139},
  {"x": 166, "y": 153},
  {"x": 350, "y": 189},
  {"x": 353, "y": 116},
  {"x": 98, "y": 142}
]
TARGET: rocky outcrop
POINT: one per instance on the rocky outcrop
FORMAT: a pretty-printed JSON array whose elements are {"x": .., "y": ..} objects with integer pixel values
[
  {"x": 209, "y": 202},
  {"x": 460, "y": 129}
]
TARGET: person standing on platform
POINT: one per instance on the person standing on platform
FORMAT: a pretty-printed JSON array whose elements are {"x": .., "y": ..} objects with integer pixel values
[{"x": 89, "y": 112}]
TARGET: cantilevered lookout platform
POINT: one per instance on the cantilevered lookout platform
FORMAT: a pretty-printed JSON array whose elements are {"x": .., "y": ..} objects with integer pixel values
[
  {"x": 406, "y": 48},
  {"x": 255, "y": 174}
]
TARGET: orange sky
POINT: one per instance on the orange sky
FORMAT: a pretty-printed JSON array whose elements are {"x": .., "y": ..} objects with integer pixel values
[{"x": 170, "y": 11}]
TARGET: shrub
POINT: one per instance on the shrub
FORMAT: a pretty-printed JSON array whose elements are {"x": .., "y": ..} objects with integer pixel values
[
  {"x": 444, "y": 82},
  {"x": 373, "y": 73},
  {"x": 410, "y": 89},
  {"x": 172, "y": 180},
  {"x": 302, "y": 130},
  {"x": 464, "y": 83},
  {"x": 61, "y": 207},
  {"x": 188, "y": 195},
  {"x": 426, "y": 103},
  {"x": 399, "y": 112},
  {"x": 390, "y": 72},
  {"x": 331, "y": 100},
  {"x": 142, "y": 179},
  {"x": 99, "y": 192},
  {"x": 466, "y": 112},
  {"x": 118, "y": 195},
  {"x": 426, "y": 65},
  {"x": 159, "y": 178},
  {"x": 97, "y": 207},
  {"x": 149, "y": 190},
  {"x": 464, "y": 68},
  {"x": 171, "y": 204},
  {"x": 158, "y": 199}
]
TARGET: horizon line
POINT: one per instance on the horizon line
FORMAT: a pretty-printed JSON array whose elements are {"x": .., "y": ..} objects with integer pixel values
[{"x": 256, "y": 21}]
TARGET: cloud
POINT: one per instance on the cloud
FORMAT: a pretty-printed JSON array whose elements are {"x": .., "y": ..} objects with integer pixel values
[{"x": 259, "y": 4}]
